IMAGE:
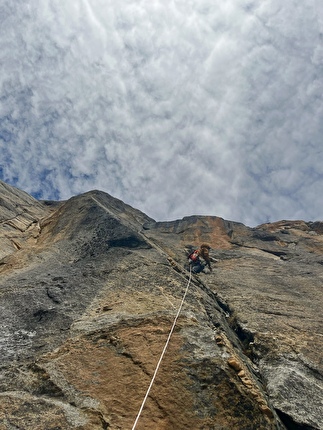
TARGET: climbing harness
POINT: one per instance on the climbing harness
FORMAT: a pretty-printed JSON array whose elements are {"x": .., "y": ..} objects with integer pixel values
[{"x": 163, "y": 353}]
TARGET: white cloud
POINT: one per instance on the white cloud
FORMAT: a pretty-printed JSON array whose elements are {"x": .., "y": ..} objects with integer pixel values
[{"x": 176, "y": 107}]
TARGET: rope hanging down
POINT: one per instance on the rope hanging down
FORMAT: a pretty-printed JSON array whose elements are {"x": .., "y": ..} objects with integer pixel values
[{"x": 163, "y": 353}]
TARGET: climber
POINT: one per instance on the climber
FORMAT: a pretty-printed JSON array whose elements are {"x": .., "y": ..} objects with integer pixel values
[
  {"x": 194, "y": 258},
  {"x": 205, "y": 254}
]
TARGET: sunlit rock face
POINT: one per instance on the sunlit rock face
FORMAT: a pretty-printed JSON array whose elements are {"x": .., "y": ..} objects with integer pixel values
[{"x": 89, "y": 291}]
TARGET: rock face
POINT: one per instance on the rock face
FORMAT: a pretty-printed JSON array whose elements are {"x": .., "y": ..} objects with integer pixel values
[{"x": 89, "y": 291}]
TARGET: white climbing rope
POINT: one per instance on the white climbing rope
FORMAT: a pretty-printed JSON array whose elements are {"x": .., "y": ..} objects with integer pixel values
[{"x": 163, "y": 353}]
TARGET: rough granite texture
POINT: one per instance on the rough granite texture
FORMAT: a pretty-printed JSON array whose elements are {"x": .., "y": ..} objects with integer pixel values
[{"x": 89, "y": 291}]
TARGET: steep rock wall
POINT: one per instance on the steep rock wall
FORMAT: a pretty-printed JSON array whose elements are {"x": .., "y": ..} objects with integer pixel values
[{"x": 87, "y": 306}]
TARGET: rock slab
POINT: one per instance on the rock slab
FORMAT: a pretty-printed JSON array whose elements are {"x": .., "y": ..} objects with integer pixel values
[{"x": 89, "y": 291}]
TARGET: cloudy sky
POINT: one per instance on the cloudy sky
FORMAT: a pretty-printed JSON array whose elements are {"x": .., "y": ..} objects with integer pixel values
[{"x": 177, "y": 107}]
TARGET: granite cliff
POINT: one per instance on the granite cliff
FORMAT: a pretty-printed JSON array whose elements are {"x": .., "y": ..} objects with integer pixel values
[{"x": 89, "y": 290}]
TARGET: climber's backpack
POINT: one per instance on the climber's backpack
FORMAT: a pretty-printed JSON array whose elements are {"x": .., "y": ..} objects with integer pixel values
[{"x": 194, "y": 256}]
